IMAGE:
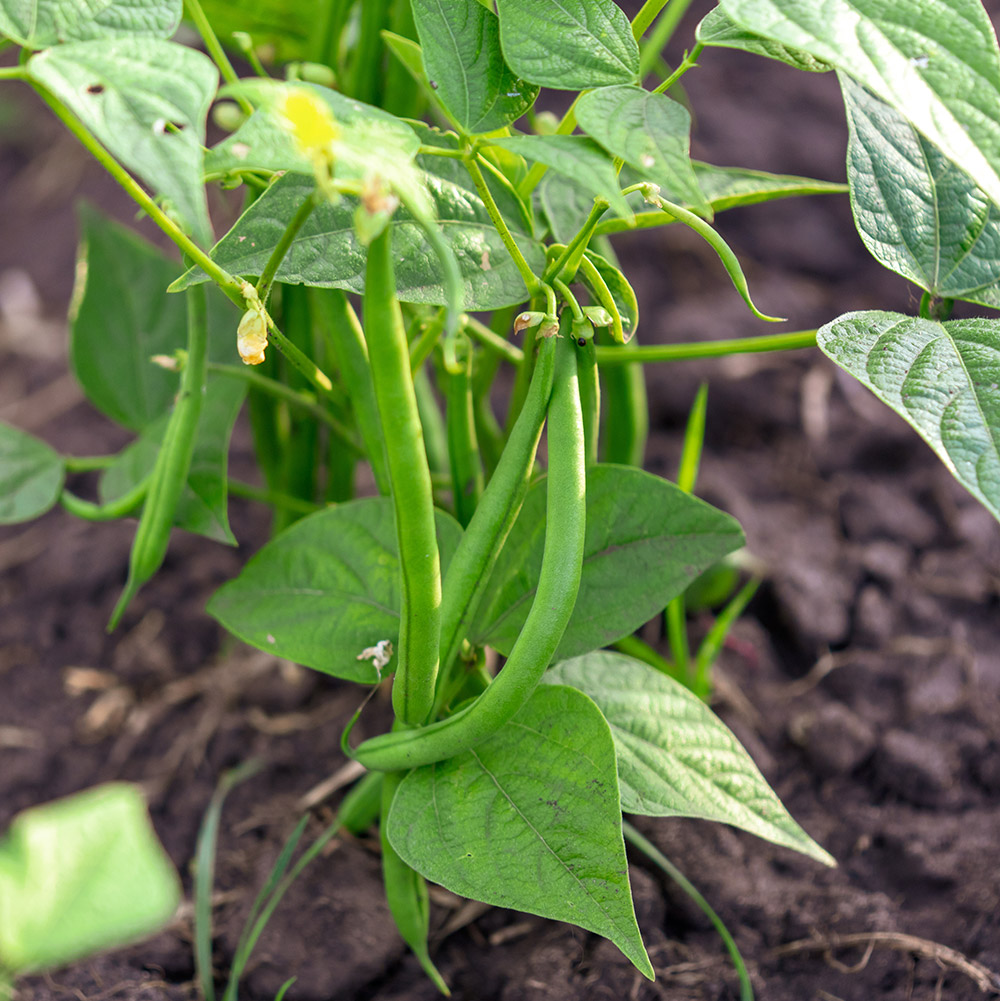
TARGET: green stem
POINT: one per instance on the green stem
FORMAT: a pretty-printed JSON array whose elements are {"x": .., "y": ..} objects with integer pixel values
[
  {"x": 282, "y": 247},
  {"x": 661, "y": 34},
  {"x": 294, "y": 397},
  {"x": 272, "y": 498},
  {"x": 215, "y": 50},
  {"x": 531, "y": 280},
  {"x": 569, "y": 259},
  {"x": 632, "y": 646},
  {"x": 659, "y": 859},
  {"x": 646, "y": 16},
  {"x": 412, "y": 496},
  {"x": 492, "y": 341},
  {"x": 231, "y": 286},
  {"x": 121, "y": 507},
  {"x": 423, "y": 345},
  {"x": 609, "y": 356},
  {"x": 87, "y": 463},
  {"x": 313, "y": 374},
  {"x": 689, "y": 62},
  {"x": 13, "y": 73}
]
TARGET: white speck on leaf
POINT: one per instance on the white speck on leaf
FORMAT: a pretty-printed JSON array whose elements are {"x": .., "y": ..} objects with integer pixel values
[
  {"x": 271, "y": 639},
  {"x": 485, "y": 261},
  {"x": 920, "y": 62},
  {"x": 240, "y": 150},
  {"x": 647, "y": 160}
]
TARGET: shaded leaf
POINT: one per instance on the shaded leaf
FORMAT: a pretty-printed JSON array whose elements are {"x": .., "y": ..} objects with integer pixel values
[
  {"x": 676, "y": 758},
  {"x": 461, "y": 54},
  {"x": 942, "y": 378},
  {"x": 40, "y": 23},
  {"x": 326, "y": 589},
  {"x": 528, "y": 819},
  {"x": 646, "y": 541},
  {"x": 146, "y": 101},
  {"x": 79, "y": 875},
  {"x": 936, "y": 62},
  {"x": 31, "y": 476},
  {"x": 918, "y": 213},
  {"x": 568, "y": 44},
  {"x": 717, "y": 28}
]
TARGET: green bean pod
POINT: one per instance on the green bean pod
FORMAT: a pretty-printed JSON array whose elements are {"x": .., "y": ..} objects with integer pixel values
[
  {"x": 555, "y": 597},
  {"x": 590, "y": 387},
  {"x": 413, "y": 503},
  {"x": 406, "y": 892},
  {"x": 463, "y": 446},
  {"x": 173, "y": 461}
]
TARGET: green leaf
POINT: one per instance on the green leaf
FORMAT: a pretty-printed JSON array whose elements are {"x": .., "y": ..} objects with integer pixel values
[
  {"x": 650, "y": 132},
  {"x": 31, "y": 476},
  {"x": 575, "y": 157},
  {"x": 676, "y": 758},
  {"x": 328, "y": 254},
  {"x": 565, "y": 205},
  {"x": 79, "y": 875},
  {"x": 646, "y": 541},
  {"x": 717, "y": 28},
  {"x": 733, "y": 187},
  {"x": 40, "y": 23},
  {"x": 528, "y": 819},
  {"x": 461, "y": 54},
  {"x": 203, "y": 505},
  {"x": 936, "y": 62},
  {"x": 918, "y": 213},
  {"x": 942, "y": 378},
  {"x": 568, "y": 44},
  {"x": 146, "y": 101},
  {"x": 326, "y": 589},
  {"x": 283, "y": 30}
]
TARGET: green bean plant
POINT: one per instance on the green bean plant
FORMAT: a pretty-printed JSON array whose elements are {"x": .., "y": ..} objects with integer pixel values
[{"x": 426, "y": 288}]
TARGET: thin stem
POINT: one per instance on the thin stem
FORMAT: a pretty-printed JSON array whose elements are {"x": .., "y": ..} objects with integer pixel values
[
  {"x": 661, "y": 34},
  {"x": 567, "y": 296},
  {"x": 576, "y": 246},
  {"x": 272, "y": 498},
  {"x": 312, "y": 372},
  {"x": 658, "y": 858},
  {"x": 423, "y": 345},
  {"x": 282, "y": 247},
  {"x": 646, "y": 16},
  {"x": 291, "y": 396},
  {"x": 13, "y": 73},
  {"x": 87, "y": 463},
  {"x": 609, "y": 356},
  {"x": 455, "y": 154},
  {"x": 690, "y": 60},
  {"x": 531, "y": 280},
  {"x": 632, "y": 646},
  {"x": 121, "y": 507},
  {"x": 215, "y": 50},
  {"x": 492, "y": 341},
  {"x": 230, "y": 286}
]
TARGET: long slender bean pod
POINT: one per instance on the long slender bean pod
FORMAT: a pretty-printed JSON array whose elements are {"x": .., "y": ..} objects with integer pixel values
[
  {"x": 470, "y": 567},
  {"x": 555, "y": 597},
  {"x": 590, "y": 388},
  {"x": 406, "y": 892},
  {"x": 173, "y": 461},
  {"x": 406, "y": 458},
  {"x": 463, "y": 446}
]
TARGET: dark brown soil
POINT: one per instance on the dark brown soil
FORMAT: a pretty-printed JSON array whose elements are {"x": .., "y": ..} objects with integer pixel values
[{"x": 865, "y": 679}]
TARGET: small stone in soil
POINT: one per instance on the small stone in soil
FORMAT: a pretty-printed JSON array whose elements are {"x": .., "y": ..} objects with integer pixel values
[
  {"x": 915, "y": 769},
  {"x": 834, "y": 739}
]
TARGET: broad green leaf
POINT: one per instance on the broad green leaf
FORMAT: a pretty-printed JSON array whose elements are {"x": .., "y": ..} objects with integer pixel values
[
  {"x": 717, "y": 28},
  {"x": 203, "y": 505},
  {"x": 407, "y": 51},
  {"x": 564, "y": 204},
  {"x": 79, "y": 875},
  {"x": 676, "y": 758},
  {"x": 327, "y": 252},
  {"x": 650, "y": 132},
  {"x": 31, "y": 476},
  {"x": 146, "y": 101},
  {"x": 461, "y": 55},
  {"x": 732, "y": 187},
  {"x": 918, "y": 213},
  {"x": 40, "y": 23},
  {"x": 568, "y": 44},
  {"x": 326, "y": 589},
  {"x": 577, "y": 158},
  {"x": 646, "y": 541},
  {"x": 936, "y": 62},
  {"x": 528, "y": 819},
  {"x": 942, "y": 378}
]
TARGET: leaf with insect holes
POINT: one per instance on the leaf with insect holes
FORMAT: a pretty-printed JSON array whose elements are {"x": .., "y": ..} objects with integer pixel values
[
  {"x": 675, "y": 757},
  {"x": 145, "y": 100},
  {"x": 460, "y": 43},
  {"x": 568, "y": 44},
  {"x": 203, "y": 504},
  {"x": 38, "y": 24},
  {"x": 650, "y": 132},
  {"x": 326, "y": 589},
  {"x": 917, "y": 212},
  {"x": 326, "y": 252},
  {"x": 80, "y": 875},
  {"x": 942, "y": 378},
  {"x": 717, "y": 28},
  {"x": 646, "y": 541},
  {"x": 936, "y": 62},
  {"x": 31, "y": 476},
  {"x": 528, "y": 819}
]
